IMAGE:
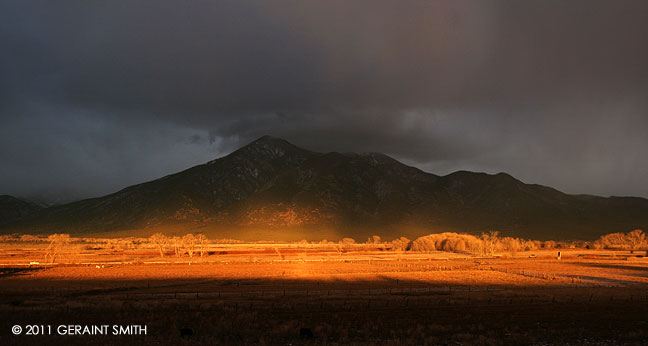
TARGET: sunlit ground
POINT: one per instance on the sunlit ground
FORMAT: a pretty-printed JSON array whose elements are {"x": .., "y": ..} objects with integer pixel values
[{"x": 265, "y": 294}]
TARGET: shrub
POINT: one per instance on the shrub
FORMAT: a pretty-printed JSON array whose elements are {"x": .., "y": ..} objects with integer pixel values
[
  {"x": 549, "y": 245},
  {"x": 347, "y": 242},
  {"x": 512, "y": 245},
  {"x": 422, "y": 244},
  {"x": 633, "y": 240},
  {"x": 402, "y": 244},
  {"x": 448, "y": 241}
]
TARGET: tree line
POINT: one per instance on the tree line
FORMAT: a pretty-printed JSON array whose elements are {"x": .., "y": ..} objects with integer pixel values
[
  {"x": 634, "y": 240},
  {"x": 487, "y": 243}
]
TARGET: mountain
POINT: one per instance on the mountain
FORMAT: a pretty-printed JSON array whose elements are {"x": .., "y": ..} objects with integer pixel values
[
  {"x": 48, "y": 198},
  {"x": 272, "y": 189},
  {"x": 13, "y": 209}
]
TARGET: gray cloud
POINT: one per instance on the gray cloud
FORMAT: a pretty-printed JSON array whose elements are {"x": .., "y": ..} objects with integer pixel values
[{"x": 97, "y": 95}]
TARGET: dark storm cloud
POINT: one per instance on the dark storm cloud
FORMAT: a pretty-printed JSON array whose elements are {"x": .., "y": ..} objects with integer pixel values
[{"x": 98, "y": 95}]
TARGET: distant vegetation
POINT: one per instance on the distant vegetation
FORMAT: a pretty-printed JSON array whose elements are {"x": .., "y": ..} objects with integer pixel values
[
  {"x": 188, "y": 244},
  {"x": 487, "y": 244},
  {"x": 634, "y": 240},
  {"x": 194, "y": 245},
  {"x": 490, "y": 243}
]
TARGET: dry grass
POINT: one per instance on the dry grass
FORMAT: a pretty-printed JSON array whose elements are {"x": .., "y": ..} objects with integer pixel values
[{"x": 263, "y": 294}]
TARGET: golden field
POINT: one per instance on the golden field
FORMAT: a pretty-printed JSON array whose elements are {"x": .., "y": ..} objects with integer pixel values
[{"x": 267, "y": 293}]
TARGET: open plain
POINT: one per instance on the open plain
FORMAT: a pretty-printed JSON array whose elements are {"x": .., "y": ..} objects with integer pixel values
[{"x": 314, "y": 294}]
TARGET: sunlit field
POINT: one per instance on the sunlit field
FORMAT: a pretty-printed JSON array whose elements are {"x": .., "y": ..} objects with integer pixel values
[{"x": 324, "y": 294}]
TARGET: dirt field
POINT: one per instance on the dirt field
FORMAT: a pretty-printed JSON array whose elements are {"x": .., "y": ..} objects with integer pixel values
[{"x": 255, "y": 294}]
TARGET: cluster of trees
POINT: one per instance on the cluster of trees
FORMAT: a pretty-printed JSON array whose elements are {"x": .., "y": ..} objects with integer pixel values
[
  {"x": 490, "y": 243},
  {"x": 23, "y": 238},
  {"x": 486, "y": 244},
  {"x": 634, "y": 240},
  {"x": 189, "y": 244}
]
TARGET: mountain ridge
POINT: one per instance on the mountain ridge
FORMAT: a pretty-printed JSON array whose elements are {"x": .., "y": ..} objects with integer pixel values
[
  {"x": 13, "y": 209},
  {"x": 274, "y": 189}
]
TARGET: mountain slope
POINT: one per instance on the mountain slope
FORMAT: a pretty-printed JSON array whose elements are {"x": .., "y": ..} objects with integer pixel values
[
  {"x": 273, "y": 189},
  {"x": 13, "y": 209}
]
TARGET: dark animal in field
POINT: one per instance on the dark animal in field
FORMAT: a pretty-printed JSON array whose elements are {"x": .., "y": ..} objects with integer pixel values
[
  {"x": 305, "y": 333},
  {"x": 185, "y": 332}
]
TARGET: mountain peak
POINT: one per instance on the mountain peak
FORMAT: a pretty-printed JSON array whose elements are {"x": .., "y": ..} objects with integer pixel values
[
  {"x": 269, "y": 147},
  {"x": 269, "y": 141},
  {"x": 271, "y": 184}
]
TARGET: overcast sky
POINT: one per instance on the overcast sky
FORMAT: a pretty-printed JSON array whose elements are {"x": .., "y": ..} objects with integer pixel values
[{"x": 99, "y": 95}]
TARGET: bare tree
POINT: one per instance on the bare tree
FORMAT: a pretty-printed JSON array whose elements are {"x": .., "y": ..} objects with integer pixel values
[
  {"x": 202, "y": 240},
  {"x": 282, "y": 257},
  {"x": 189, "y": 243},
  {"x": 56, "y": 246},
  {"x": 176, "y": 241},
  {"x": 160, "y": 241},
  {"x": 490, "y": 241},
  {"x": 636, "y": 239}
]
